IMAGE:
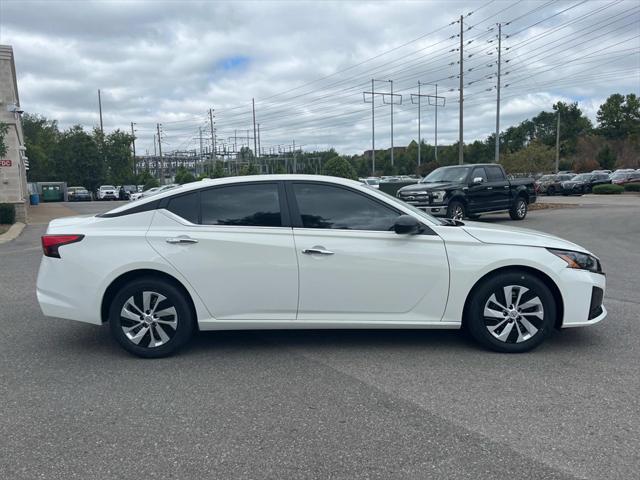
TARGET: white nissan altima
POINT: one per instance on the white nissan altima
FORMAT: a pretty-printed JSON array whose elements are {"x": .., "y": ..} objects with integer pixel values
[{"x": 299, "y": 251}]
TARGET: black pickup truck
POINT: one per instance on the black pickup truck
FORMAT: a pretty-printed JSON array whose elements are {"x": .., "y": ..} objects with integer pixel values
[{"x": 469, "y": 191}]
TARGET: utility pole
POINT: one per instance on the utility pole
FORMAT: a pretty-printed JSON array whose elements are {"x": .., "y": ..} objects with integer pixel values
[
  {"x": 213, "y": 137},
  {"x": 259, "y": 147},
  {"x": 497, "y": 159},
  {"x": 391, "y": 81},
  {"x": 461, "y": 126},
  {"x": 201, "y": 159},
  {"x": 133, "y": 142},
  {"x": 161, "y": 160},
  {"x": 436, "y": 133},
  {"x": 373, "y": 135},
  {"x": 558, "y": 143},
  {"x": 436, "y": 99},
  {"x": 100, "y": 110},
  {"x": 255, "y": 135}
]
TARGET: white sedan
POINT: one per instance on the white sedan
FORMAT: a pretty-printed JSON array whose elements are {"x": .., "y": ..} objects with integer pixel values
[{"x": 298, "y": 251}]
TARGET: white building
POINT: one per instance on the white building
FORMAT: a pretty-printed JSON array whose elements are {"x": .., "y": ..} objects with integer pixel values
[{"x": 13, "y": 172}]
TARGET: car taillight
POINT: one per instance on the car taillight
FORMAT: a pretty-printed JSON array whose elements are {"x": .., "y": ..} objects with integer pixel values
[{"x": 51, "y": 243}]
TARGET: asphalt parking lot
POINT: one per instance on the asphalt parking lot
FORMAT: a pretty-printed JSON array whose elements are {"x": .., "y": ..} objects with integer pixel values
[{"x": 327, "y": 404}]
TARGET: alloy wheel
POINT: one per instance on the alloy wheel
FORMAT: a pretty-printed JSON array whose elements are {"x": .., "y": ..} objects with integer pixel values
[
  {"x": 457, "y": 213},
  {"x": 521, "y": 209},
  {"x": 513, "y": 314},
  {"x": 148, "y": 319}
]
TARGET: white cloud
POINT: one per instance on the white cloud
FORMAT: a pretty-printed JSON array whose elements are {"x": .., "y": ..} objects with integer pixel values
[{"x": 171, "y": 61}]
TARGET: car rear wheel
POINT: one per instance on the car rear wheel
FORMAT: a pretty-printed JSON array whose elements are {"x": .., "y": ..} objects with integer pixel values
[
  {"x": 511, "y": 312},
  {"x": 456, "y": 210},
  {"x": 150, "y": 318},
  {"x": 519, "y": 209}
]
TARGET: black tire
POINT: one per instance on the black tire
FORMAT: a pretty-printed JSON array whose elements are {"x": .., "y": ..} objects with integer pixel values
[
  {"x": 587, "y": 189},
  {"x": 518, "y": 335},
  {"x": 456, "y": 209},
  {"x": 551, "y": 191},
  {"x": 169, "y": 332},
  {"x": 519, "y": 209}
]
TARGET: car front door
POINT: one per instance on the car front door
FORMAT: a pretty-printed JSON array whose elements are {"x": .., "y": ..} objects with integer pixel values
[
  {"x": 232, "y": 245},
  {"x": 479, "y": 195},
  {"x": 354, "y": 267}
]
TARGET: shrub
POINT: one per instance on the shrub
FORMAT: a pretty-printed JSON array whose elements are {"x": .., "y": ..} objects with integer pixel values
[
  {"x": 632, "y": 187},
  {"x": 7, "y": 213},
  {"x": 339, "y": 167},
  {"x": 608, "y": 189}
]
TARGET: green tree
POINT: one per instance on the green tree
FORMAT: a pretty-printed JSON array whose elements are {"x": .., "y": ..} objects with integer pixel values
[
  {"x": 4, "y": 128},
  {"x": 339, "y": 167},
  {"x": 184, "y": 176},
  {"x": 218, "y": 170},
  {"x": 77, "y": 159},
  {"x": 41, "y": 137},
  {"x": 619, "y": 116},
  {"x": 535, "y": 157},
  {"x": 606, "y": 158},
  {"x": 118, "y": 156},
  {"x": 249, "y": 169}
]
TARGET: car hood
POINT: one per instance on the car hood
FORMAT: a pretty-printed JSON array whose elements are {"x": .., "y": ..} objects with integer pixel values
[
  {"x": 421, "y": 187},
  {"x": 500, "y": 234}
]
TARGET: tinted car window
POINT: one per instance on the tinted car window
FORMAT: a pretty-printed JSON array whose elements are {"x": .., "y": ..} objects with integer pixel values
[
  {"x": 479, "y": 172},
  {"x": 495, "y": 174},
  {"x": 326, "y": 206},
  {"x": 185, "y": 206},
  {"x": 255, "y": 205}
]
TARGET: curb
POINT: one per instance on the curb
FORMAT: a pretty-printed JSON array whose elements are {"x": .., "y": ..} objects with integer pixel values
[{"x": 14, "y": 231}]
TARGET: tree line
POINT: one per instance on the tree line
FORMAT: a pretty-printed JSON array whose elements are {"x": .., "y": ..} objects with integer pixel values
[{"x": 92, "y": 158}]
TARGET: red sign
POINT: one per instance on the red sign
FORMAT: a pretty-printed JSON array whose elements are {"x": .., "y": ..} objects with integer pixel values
[{"x": 5, "y": 163}]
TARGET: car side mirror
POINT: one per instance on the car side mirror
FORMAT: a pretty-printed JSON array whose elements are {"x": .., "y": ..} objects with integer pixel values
[
  {"x": 407, "y": 225},
  {"x": 478, "y": 180}
]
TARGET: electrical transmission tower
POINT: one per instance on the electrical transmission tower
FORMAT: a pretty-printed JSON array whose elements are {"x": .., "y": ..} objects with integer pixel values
[
  {"x": 432, "y": 100},
  {"x": 392, "y": 101}
]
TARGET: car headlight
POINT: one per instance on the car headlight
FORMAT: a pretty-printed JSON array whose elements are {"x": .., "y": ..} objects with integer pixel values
[
  {"x": 577, "y": 260},
  {"x": 438, "y": 195}
]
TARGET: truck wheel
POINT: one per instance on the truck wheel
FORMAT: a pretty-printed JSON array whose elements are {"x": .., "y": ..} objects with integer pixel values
[
  {"x": 519, "y": 209},
  {"x": 456, "y": 210}
]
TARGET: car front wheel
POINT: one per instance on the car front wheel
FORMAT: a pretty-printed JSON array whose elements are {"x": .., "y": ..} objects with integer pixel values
[
  {"x": 456, "y": 210},
  {"x": 150, "y": 318},
  {"x": 511, "y": 312}
]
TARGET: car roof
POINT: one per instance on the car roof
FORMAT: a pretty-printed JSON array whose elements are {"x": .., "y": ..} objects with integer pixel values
[{"x": 211, "y": 182}]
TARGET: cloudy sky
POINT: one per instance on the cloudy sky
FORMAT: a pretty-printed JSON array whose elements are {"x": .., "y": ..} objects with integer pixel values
[{"x": 307, "y": 64}]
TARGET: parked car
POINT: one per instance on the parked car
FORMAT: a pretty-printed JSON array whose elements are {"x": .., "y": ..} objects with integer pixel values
[
  {"x": 584, "y": 183},
  {"x": 107, "y": 192},
  {"x": 128, "y": 191},
  {"x": 153, "y": 191},
  {"x": 307, "y": 251},
  {"x": 373, "y": 182},
  {"x": 470, "y": 190},
  {"x": 622, "y": 178},
  {"x": 552, "y": 184},
  {"x": 78, "y": 194},
  {"x": 608, "y": 172}
]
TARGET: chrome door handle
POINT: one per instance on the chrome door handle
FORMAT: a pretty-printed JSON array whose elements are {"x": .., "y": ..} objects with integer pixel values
[
  {"x": 506, "y": 186},
  {"x": 183, "y": 240},
  {"x": 317, "y": 251},
  {"x": 489, "y": 188}
]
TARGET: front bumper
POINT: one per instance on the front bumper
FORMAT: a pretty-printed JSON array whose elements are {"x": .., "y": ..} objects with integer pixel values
[
  {"x": 583, "y": 294},
  {"x": 426, "y": 203}
]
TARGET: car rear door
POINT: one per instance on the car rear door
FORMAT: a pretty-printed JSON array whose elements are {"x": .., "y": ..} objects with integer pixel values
[
  {"x": 234, "y": 246},
  {"x": 354, "y": 267},
  {"x": 500, "y": 187}
]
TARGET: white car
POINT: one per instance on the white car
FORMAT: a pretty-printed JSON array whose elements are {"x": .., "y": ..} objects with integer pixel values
[
  {"x": 107, "y": 192},
  {"x": 304, "y": 251}
]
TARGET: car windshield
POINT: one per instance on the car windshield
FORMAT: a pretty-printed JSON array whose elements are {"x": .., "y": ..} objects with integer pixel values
[
  {"x": 619, "y": 175},
  {"x": 582, "y": 177},
  {"x": 447, "y": 174},
  {"x": 372, "y": 181},
  {"x": 107, "y": 187}
]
